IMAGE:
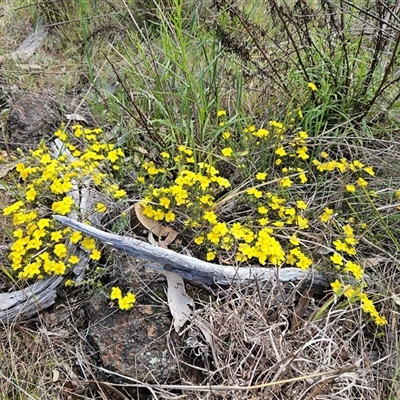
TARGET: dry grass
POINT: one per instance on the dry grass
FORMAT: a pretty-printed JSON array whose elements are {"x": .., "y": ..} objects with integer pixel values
[
  {"x": 262, "y": 337},
  {"x": 41, "y": 360},
  {"x": 251, "y": 343}
]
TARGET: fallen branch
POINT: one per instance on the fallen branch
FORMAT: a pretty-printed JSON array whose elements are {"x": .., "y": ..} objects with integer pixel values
[
  {"x": 29, "y": 301},
  {"x": 196, "y": 270}
]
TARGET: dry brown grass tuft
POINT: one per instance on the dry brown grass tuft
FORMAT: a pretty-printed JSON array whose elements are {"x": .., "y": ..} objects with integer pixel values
[
  {"x": 255, "y": 337},
  {"x": 45, "y": 358}
]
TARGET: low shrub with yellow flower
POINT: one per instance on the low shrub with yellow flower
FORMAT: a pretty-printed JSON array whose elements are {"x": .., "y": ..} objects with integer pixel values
[
  {"x": 45, "y": 181},
  {"x": 229, "y": 207},
  {"x": 271, "y": 218}
]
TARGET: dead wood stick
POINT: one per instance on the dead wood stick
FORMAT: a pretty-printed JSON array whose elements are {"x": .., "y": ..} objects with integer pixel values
[
  {"x": 29, "y": 301},
  {"x": 196, "y": 270}
]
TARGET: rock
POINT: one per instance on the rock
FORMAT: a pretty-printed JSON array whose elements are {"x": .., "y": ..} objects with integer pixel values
[
  {"x": 133, "y": 343},
  {"x": 32, "y": 118}
]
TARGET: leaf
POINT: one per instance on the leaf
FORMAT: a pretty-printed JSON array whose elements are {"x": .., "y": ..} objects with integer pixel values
[
  {"x": 156, "y": 227},
  {"x": 76, "y": 117},
  {"x": 56, "y": 375},
  {"x": 116, "y": 394},
  {"x": 371, "y": 262},
  {"x": 5, "y": 169},
  {"x": 170, "y": 234},
  {"x": 179, "y": 303},
  {"x": 205, "y": 329},
  {"x": 396, "y": 299}
]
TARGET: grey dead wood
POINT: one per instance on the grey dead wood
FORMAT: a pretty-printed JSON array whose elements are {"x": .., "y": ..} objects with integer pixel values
[
  {"x": 29, "y": 301},
  {"x": 195, "y": 270}
]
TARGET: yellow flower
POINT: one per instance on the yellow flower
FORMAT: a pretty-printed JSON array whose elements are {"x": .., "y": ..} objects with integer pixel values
[
  {"x": 324, "y": 154},
  {"x": 304, "y": 263},
  {"x": 113, "y": 156},
  {"x": 88, "y": 244},
  {"x": 221, "y": 113},
  {"x": 119, "y": 193},
  {"x": 379, "y": 320},
  {"x": 302, "y": 153},
  {"x": 312, "y": 86},
  {"x": 279, "y": 224},
  {"x": 61, "y": 135},
  {"x": 95, "y": 254},
  {"x": 350, "y": 188},
  {"x": 262, "y": 210},
  {"x": 116, "y": 293},
  {"x": 127, "y": 302},
  {"x": 226, "y": 135},
  {"x": 59, "y": 187},
  {"x": 255, "y": 192},
  {"x": 302, "y": 135},
  {"x": 336, "y": 286},
  {"x": 210, "y": 217},
  {"x": 294, "y": 240},
  {"x": 286, "y": 182},
  {"x": 159, "y": 215},
  {"x": 369, "y": 170},
  {"x": 206, "y": 199},
  {"x": 43, "y": 223},
  {"x": 73, "y": 259},
  {"x": 64, "y": 206},
  {"x": 169, "y": 216},
  {"x": 75, "y": 237},
  {"x": 199, "y": 240},
  {"x": 18, "y": 233},
  {"x": 210, "y": 256},
  {"x": 227, "y": 152},
  {"x": 164, "y": 154},
  {"x": 263, "y": 221},
  {"x": 56, "y": 236},
  {"x": 280, "y": 151},
  {"x": 60, "y": 250},
  {"x": 100, "y": 207},
  {"x": 362, "y": 182},
  {"x": 165, "y": 202},
  {"x": 301, "y": 205},
  {"x": 58, "y": 268},
  {"x": 13, "y": 208},
  {"x": 261, "y": 176},
  {"x": 31, "y": 194},
  {"x": 337, "y": 259},
  {"x": 325, "y": 217}
]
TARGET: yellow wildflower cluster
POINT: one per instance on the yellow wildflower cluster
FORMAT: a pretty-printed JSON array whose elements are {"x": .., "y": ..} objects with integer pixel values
[
  {"x": 342, "y": 166},
  {"x": 356, "y": 294},
  {"x": 187, "y": 189},
  {"x": 124, "y": 302},
  {"x": 271, "y": 218},
  {"x": 39, "y": 247}
]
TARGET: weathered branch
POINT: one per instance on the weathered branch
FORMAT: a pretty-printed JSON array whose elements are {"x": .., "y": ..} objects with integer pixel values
[
  {"x": 193, "y": 269},
  {"x": 29, "y": 301}
]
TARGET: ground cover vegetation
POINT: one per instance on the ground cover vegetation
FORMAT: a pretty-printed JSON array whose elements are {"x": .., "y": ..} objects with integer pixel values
[{"x": 263, "y": 134}]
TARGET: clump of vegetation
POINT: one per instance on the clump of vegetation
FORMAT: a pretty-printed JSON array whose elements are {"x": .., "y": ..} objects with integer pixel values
[
  {"x": 269, "y": 211},
  {"x": 48, "y": 182},
  {"x": 263, "y": 133}
]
